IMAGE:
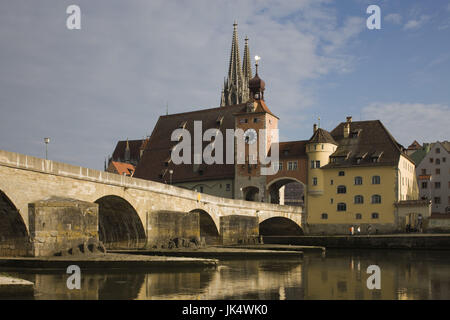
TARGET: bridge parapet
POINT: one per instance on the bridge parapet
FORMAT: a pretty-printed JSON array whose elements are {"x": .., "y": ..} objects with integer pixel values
[{"x": 25, "y": 162}]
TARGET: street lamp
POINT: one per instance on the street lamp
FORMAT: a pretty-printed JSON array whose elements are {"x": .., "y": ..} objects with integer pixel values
[
  {"x": 171, "y": 173},
  {"x": 47, "y": 141}
]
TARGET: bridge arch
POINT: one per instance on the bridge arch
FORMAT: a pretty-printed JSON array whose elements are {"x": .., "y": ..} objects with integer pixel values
[
  {"x": 119, "y": 224},
  {"x": 208, "y": 227},
  {"x": 13, "y": 231},
  {"x": 298, "y": 190},
  {"x": 250, "y": 193},
  {"x": 279, "y": 226}
]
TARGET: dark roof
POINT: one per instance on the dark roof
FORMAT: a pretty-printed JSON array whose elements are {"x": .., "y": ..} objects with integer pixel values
[
  {"x": 372, "y": 141},
  {"x": 158, "y": 150},
  {"x": 322, "y": 136},
  {"x": 119, "y": 151},
  {"x": 414, "y": 146},
  {"x": 292, "y": 149}
]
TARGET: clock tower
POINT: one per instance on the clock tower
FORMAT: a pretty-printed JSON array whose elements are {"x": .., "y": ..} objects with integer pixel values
[{"x": 256, "y": 122}]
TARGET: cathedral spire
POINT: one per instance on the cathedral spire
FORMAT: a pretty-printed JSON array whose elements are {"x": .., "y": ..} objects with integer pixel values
[
  {"x": 236, "y": 86},
  {"x": 246, "y": 66}
]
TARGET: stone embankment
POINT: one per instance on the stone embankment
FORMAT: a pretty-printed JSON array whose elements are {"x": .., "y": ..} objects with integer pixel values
[{"x": 385, "y": 241}]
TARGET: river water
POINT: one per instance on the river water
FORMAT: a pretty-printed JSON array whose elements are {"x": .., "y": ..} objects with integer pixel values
[{"x": 340, "y": 274}]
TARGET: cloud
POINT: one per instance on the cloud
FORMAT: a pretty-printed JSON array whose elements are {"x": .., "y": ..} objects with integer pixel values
[
  {"x": 112, "y": 79},
  {"x": 412, "y": 121},
  {"x": 416, "y": 23},
  {"x": 394, "y": 18}
]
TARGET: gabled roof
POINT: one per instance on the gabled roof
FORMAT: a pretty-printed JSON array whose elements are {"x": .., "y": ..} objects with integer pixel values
[
  {"x": 322, "y": 136},
  {"x": 153, "y": 165},
  {"x": 374, "y": 141},
  {"x": 414, "y": 146}
]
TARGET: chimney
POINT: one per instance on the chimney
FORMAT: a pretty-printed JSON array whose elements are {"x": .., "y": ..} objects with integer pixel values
[
  {"x": 347, "y": 127},
  {"x": 314, "y": 128}
]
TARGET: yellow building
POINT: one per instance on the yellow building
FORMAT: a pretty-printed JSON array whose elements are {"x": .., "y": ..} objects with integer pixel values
[{"x": 359, "y": 176}]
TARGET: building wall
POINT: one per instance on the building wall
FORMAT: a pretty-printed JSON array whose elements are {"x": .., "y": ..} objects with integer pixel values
[
  {"x": 220, "y": 188},
  {"x": 340, "y": 221},
  {"x": 430, "y": 190},
  {"x": 407, "y": 181}
]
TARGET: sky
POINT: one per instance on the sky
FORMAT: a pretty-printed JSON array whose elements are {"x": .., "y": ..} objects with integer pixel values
[{"x": 111, "y": 80}]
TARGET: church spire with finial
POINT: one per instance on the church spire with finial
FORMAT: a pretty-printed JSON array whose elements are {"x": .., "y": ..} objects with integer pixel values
[{"x": 235, "y": 89}]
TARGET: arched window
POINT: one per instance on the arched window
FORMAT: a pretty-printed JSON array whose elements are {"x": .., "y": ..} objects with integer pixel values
[
  {"x": 358, "y": 216},
  {"x": 376, "y": 180},
  {"x": 341, "y": 206},
  {"x": 376, "y": 198},
  {"x": 359, "y": 199},
  {"x": 358, "y": 180},
  {"x": 341, "y": 189},
  {"x": 375, "y": 215}
]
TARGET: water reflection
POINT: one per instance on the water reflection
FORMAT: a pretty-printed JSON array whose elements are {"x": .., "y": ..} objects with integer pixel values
[{"x": 339, "y": 275}]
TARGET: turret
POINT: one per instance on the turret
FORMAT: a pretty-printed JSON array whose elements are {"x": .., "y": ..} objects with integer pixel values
[{"x": 319, "y": 148}]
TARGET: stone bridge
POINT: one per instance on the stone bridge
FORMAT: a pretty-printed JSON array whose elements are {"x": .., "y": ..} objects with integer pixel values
[{"x": 127, "y": 206}]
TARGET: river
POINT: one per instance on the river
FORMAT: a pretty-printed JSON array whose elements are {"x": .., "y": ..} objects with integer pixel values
[{"x": 340, "y": 274}]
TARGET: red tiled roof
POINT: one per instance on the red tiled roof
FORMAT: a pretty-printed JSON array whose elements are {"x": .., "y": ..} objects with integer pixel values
[{"x": 122, "y": 168}]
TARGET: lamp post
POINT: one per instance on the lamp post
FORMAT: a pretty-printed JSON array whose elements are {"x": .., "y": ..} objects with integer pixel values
[
  {"x": 171, "y": 173},
  {"x": 47, "y": 141}
]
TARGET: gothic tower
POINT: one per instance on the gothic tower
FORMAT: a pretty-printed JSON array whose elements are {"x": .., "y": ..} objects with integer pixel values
[{"x": 235, "y": 88}]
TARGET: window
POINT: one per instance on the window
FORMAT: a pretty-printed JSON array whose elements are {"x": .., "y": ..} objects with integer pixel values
[
  {"x": 424, "y": 171},
  {"x": 312, "y": 164},
  {"x": 438, "y": 161},
  {"x": 341, "y": 206},
  {"x": 341, "y": 189},
  {"x": 331, "y": 200},
  {"x": 437, "y": 200},
  {"x": 376, "y": 198},
  {"x": 437, "y": 185},
  {"x": 424, "y": 185},
  {"x": 431, "y": 160},
  {"x": 292, "y": 165},
  {"x": 228, "y": 188},
  {"x": 438, "y": 150},
  {"x": 331, "y": 181},
  {"x": 314, "y": 181},
  {"x": 359, "y": 199},
  {"x": 317, "y": 164},
  {"x": 443, "y": 159},
  {"x": 376, "y": 180},
  {"x": 243, "y": 121},
  {"x": 341, "y": 173},
  {"x": 255, "y": 120},
  {"x": 375, "y": 215},
  {"x": 201, "y": 189},
  {"x": 280, "y": 165},
  {"x": 438, "y": 171},
  {"x": 358, "y": 216},
  {"x": 358, "y": 180},
  {"x": 324, "y": 216}
]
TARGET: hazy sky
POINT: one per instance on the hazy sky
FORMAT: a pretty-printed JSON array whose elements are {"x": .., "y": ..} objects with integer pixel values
[{"x": 111, "y": 80}]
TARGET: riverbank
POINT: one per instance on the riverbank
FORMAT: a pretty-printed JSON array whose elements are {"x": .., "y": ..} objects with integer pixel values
[
  {"x": 101, "y": 261},
  {"x": 278, "y": 247},
  {"x": 216, "y": 253},
  {"x": 11, "y": 287},
  {"x": 385, "y": 241}
]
